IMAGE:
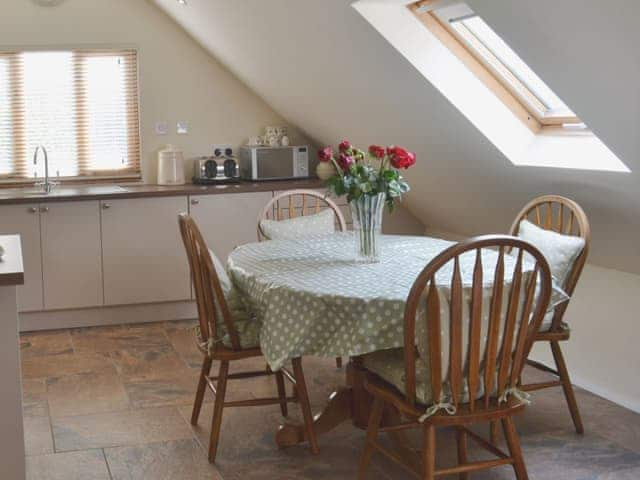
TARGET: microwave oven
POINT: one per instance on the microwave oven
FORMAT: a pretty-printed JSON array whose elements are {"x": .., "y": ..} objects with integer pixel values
[{"x": 274, "y": 163}]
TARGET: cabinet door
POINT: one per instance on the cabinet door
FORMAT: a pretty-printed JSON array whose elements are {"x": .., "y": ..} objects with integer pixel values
[
  {"x": 229, "y": 219},
  {"x": 71, "y": 255},
  {"x": 143, "y": 255},
  {"x": 24, "y": 220}
]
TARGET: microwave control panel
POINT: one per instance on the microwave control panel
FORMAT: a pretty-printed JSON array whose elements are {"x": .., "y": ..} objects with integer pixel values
[{"x": 301, "y": 162}]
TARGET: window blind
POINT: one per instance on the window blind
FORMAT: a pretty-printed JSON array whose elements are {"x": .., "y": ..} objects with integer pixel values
[{"x": 81, "y": 105}]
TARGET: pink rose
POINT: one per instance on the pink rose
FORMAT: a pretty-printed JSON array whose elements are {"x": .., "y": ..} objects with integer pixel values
[
  {"x": 344, "y": 145},
  {"x": 345, "y": 161},
  {"x": 401, "y": 158},
  {"x": 376, "y": 151},
  {"x": 325, "y": 154}
]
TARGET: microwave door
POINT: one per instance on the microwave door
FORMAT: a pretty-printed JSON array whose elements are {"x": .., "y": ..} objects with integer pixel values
[{"x": 275, "y": 163}]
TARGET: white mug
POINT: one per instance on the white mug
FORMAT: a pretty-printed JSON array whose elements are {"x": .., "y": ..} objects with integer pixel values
[{"x": 256, "y": 141}]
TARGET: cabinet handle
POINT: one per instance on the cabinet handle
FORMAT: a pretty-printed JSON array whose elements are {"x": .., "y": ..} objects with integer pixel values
[
  {"x": 33, "y": 210},
  {"x": 106, "y": 206},
  {"x": 195, "y": 201},
  {"x": 44, "y": 209}
]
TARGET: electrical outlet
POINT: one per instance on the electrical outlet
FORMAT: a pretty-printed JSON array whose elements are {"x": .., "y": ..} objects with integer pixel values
[{"x": 223, "y": 149}]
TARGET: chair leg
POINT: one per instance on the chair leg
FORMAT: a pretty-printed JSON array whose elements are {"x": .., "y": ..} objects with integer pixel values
[
  {"x": 429, "y": 452},
  {"x": 462, "y": 451},
  {"x": 511, "y": 435},
  {"x": 375, "y": 417},
  {"x": 216, "y": 421},
  {"x": 282, "y": 393},
  {"x": 494, "y": 432},
  {"x": 567, "y": 387},
  {"x": 303, "y": 397},
  {"x": 202, "y": 385}
]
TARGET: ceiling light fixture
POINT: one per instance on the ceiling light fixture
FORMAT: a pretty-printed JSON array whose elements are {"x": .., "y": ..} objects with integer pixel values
[{"x": 182, "y": 2}]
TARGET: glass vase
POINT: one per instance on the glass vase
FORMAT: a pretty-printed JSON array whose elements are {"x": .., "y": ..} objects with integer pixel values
[{"x": 367, "y": 224}]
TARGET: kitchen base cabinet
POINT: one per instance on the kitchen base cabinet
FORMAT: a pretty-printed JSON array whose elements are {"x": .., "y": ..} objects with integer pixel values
[
  {"x": 142, "y": 252},
  {"x": 228, "y": 220},
  {"x": 71, "y": 255},
  {"x": 24, "y": 220}
]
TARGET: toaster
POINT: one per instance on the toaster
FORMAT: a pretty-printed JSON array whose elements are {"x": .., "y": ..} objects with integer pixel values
[{"x": 216, "y": 169}]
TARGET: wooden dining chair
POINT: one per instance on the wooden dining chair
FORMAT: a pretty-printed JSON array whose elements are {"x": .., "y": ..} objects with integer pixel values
[
  {"x": 215, "y": 319},
  {"x": 564, "y": 216},
  {"x": 299, "y": 203},
  {"x": 471, "y": 375}
]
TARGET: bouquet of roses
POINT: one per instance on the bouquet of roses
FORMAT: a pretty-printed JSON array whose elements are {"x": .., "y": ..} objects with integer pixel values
[{"x": 371, "y": 173}]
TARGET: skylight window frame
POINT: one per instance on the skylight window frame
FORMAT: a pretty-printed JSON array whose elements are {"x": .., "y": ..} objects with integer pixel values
[{"x": 539, "y": 116}]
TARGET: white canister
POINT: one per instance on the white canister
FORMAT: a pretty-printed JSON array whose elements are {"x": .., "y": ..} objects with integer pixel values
[{"x": 170, "y": 166}]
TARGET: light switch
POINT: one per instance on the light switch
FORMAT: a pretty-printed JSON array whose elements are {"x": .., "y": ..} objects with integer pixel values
[
  {"x": 183, "y": 128},
  {"x": 162, "y": 128}
]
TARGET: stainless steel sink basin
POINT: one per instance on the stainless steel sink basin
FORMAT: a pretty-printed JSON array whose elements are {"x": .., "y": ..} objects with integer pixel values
[{"x": 60, "y": 191}]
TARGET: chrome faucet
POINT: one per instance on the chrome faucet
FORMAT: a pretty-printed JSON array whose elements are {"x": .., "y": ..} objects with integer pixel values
[{"x": 46, "y": 185}]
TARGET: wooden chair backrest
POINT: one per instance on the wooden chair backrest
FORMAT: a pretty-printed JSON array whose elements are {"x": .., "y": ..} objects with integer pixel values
[
  {"x": 527, "y": 301},
  {"x": 212, "y": 305},
  {"x": 298, "y": 203},
  {"x": 561, "y": 215}
]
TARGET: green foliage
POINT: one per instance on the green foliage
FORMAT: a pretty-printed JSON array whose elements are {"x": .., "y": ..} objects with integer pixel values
[{"x": 364, "y": 179}]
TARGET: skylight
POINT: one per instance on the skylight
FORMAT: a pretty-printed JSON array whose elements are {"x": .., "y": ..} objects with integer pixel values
[
  {"x": 500, "y": 59},
  {"x": 489, "y": 84}
]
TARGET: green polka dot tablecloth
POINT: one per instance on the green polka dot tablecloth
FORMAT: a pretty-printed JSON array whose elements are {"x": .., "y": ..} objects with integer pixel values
[{"x": 312, "y": 298}]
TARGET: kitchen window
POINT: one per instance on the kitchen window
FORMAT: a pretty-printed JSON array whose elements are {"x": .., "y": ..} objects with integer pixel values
[
  {"x": 492, "y": 56},
  {"x": 81, "y": 105}
]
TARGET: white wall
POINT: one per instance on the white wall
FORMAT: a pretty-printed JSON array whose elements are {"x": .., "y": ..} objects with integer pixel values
[
  {"x": 603, "y": 352},
  {"x": 178, "y": 79},
  {"x": 326, "y": 69}
]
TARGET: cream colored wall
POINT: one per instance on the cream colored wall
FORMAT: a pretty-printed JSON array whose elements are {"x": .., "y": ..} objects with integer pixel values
[
  {"x": 178, "y": 79},
  {"x": 603, "y": 352}
]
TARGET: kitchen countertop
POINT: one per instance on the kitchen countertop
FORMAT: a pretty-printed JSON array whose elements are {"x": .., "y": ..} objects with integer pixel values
[
  {"x": 66, "y": 193},
  {"x": 11, "y": 268}
]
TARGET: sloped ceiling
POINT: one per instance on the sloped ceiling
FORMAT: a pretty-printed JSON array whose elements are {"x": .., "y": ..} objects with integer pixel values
[{"x": 326, "y": 70}]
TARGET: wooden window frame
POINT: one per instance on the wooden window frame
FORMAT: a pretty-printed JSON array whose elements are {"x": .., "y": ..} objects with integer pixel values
[{"x": 522, "y": 102}]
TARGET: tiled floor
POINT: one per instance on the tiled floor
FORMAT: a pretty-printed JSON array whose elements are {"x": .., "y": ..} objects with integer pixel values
[{"x": 113, "y": 403}]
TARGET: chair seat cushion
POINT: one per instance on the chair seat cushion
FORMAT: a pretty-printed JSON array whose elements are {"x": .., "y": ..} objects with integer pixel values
[
  {"x": 292, "y": 228},
  {"x": 248, "y": 333},
  {"x": 247, "y": 326},
  {"x": 389, "y": 365}
]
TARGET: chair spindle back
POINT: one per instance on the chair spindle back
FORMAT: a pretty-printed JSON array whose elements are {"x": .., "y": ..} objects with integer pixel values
[
  {"x": 561, "y": 215},
  {"x": 213, "y": 310},
  {"x": 493, "y": 364},
  {"x": 301, "y": 202}
]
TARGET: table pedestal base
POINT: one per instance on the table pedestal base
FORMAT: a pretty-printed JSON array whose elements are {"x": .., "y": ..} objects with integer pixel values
[{"x": 352, "y": 402}]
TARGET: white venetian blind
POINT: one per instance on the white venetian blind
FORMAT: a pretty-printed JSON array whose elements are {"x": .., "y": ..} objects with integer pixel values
[{"x": 81, "y": 105}]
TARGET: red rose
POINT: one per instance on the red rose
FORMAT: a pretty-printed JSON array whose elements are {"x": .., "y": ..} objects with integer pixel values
[
  {"x": 401, "y": 158},
  {"x": 345, "y": 161},
  {"x": 344, "y": 145},
  {"x": 325, "y": 154},
  {"x": 376, "y": 151}
]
